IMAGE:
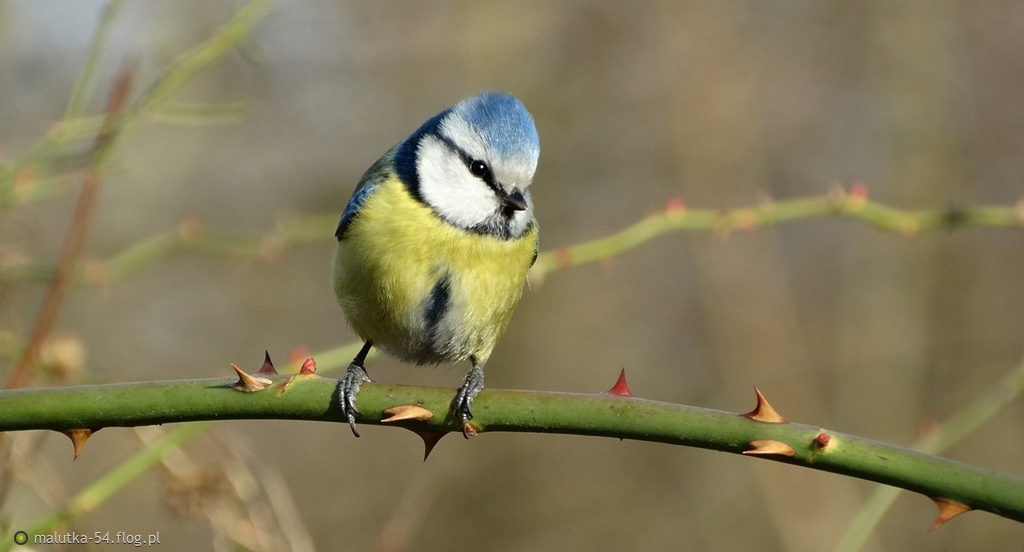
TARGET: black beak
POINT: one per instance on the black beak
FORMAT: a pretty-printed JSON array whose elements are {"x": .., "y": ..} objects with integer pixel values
[{"x": 514, "y": 200}]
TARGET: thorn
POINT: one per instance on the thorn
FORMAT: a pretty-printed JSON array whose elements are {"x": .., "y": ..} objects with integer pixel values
[
  {"x": 407, "y": 412},
  {"x": 247, "y": 383},
  {"x": 78, "y": 438},
  {"x": 268, "y": 365},
  {"x": 764, "y": 411},
  {"x": 563, "y": 257},
  {"x": 769, "y": 447},
  {"x": 469, "y": 430},
  {"x": 190, "y": 228},
  {"x": 308, "y": 367},
  {"x": 620, "y": 388},
  {"x": 859, "y": 192},
  {"x": 948, "y": 509},
  {"x": 430, "y": 439},
  {"x": 676, "y": 206},
  {"x": 746, "y": 220}
]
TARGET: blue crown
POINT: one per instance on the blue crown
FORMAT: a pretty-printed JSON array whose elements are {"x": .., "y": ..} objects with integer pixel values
[{"x": 503, "y": 122}]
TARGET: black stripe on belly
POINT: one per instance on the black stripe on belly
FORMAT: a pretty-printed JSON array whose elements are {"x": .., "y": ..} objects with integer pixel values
[{"x": 437, "y": 303}]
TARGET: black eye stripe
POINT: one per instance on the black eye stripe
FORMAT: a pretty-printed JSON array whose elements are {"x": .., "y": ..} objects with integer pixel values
[{"x": 476, "y": 167}]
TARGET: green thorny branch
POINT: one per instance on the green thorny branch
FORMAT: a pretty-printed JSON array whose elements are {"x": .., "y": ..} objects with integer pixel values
[{"x": 79, "y": 411}]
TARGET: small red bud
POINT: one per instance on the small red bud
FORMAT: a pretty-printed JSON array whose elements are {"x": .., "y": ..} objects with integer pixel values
[
  {"x": 675, "y": 206},
  {"x": 563, "y": 257},
  {"x": 859, "y": 191}
]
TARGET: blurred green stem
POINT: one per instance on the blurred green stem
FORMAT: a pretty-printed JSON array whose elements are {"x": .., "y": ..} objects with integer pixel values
[{"x": 103, "y": 488}]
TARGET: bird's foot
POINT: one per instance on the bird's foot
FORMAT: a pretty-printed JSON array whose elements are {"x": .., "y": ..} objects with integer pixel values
[
  {"x": 472, "y": 386},
  {"x": 348, "y": 387}
]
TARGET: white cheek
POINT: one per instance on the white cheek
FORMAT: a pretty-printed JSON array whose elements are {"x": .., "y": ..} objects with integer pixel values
[{"x": 450, "y": 189}]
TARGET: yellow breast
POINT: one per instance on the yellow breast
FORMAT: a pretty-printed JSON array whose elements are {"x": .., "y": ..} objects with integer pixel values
[{"x": 398, "y": 262}]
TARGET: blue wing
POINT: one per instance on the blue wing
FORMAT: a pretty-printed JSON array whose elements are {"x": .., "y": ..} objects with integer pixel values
[{"x": 371, "y": 180}]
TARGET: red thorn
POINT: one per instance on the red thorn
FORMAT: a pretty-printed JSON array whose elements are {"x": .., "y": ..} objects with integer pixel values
[
  {"x": 859, "y": 191},
  {"x": 430, "y": 439},
  {"x": 764, "y": 412},
  {"x": 948, "y": 509},
  {"x": 469, "y": 430},
  {"x": 676, "y": 205},
  {"x": 857, "y": 197},
  {"x": 78, "y": 438},
  {"x": 563, "y": 257},
  {"x": 268, "y": 366},
  {"x": 620, "y": 388},
  {"x": 308, "y": 367}
]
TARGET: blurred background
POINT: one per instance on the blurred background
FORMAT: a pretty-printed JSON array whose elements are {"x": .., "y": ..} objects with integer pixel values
[{"x": 724, "y": 104}]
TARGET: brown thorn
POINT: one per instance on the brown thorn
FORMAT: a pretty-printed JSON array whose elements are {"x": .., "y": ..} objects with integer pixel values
[
  {"x": 621, "y": 388},
  {"x": 769, "y": 447},
  {"x": 268, "y": 365},
  {"x": 78, "y": 438},
  {"x": 430, "y": 439},
  {"x": 407, "y": 412},
  {"x": 247, "y": 383},
  {"x": 764, "y": 412},
  {"x": 948, "y": 509}
]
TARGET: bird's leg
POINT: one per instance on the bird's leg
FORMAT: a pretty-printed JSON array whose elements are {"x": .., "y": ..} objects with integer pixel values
[
  {"x": 471, "y": 386},
  {"x": 349, "y": 384}
]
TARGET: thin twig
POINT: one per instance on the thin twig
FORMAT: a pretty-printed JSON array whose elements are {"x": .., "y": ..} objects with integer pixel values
[{"x": 77, "y": 233}]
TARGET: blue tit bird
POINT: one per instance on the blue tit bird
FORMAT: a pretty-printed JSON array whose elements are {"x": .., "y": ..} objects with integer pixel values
[{"x": 435, "y": 243}]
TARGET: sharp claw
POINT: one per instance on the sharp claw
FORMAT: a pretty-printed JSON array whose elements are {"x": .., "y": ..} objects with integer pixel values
[
  {"x": 473, "y": 384},
  {"x": 348, "y": 387}
]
